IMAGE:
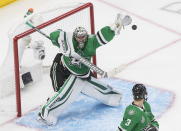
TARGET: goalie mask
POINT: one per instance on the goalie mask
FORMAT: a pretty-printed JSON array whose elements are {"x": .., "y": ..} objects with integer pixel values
[
  {"x": 80, "y": 34},
  {"x": 139, "y": 92}
]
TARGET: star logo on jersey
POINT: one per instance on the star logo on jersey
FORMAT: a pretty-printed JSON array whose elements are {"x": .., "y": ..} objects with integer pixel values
[
  {"x": 131, "y": 112},
  {"x": 75, "y": 62},
  {"x": 142, "y": 119}
]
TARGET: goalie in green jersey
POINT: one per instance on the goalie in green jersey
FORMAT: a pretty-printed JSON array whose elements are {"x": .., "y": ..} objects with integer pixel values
[
  {"x": 138, "y": 115},
  {"x": 70, "y": 76}
]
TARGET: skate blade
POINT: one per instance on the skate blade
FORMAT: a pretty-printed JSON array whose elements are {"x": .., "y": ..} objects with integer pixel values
[{"x": 44, "y": 122}]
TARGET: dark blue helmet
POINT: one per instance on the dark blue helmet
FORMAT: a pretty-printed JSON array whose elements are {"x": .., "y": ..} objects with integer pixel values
[{"x": 139, "y": 92}]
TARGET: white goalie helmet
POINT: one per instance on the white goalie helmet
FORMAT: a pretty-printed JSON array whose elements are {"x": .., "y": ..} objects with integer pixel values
[{"x": 80, "y": 34}]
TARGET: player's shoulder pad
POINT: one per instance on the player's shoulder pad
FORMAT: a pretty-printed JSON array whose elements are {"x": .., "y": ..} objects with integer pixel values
[{"x": 131, "y": 111}]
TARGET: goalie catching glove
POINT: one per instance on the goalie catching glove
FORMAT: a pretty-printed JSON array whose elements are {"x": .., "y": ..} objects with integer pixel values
[{"x": 120, "y": 22}]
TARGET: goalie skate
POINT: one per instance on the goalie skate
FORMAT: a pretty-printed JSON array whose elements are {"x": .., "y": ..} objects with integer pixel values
[{"x": 46, "y": 122}]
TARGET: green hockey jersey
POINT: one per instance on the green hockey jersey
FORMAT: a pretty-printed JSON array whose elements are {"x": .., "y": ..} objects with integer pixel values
[
  {"x": 93, "y": 42},
  {"x": 137, "y": 119}
]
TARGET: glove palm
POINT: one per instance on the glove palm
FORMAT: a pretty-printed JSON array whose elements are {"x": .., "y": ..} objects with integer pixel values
[{"x": 120, "y": 22}]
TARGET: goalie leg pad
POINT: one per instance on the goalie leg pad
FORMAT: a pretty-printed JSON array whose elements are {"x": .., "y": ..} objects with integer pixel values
[
  {"x": 102, "y": 92},
  {"x": 58, "y": 103}
]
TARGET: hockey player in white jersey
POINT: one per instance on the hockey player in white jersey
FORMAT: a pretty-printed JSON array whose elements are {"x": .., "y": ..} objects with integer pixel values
[{"x": 70, "y": 76}]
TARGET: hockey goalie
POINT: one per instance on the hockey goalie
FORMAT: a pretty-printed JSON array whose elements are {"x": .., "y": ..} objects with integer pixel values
[{"x": 71, "y": 69}]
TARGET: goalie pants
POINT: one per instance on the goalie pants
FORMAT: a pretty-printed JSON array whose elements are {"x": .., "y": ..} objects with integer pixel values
[
  {"x": 71, "y": 89},
  {"x": 58, "y": 73}
]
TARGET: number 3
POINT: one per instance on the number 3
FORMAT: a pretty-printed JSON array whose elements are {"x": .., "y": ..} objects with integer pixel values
[{"x": 128, "y": 121}]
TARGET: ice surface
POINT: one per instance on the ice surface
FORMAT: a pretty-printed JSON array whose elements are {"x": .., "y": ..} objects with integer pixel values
[{"x": 87, "y": 114}]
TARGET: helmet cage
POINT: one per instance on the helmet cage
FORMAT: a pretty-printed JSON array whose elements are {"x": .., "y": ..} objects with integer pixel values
[{"x": 80, "y": 34}]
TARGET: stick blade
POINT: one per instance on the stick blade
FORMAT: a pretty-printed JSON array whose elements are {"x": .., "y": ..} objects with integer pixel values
[{"x": 116, "y": 70}]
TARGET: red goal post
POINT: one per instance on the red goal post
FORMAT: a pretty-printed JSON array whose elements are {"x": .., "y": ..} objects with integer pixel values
[{"x": 30, "y": 31}]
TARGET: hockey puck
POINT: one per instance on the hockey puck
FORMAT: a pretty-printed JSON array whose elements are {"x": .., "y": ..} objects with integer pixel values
[{"x": 134, "y": 27}]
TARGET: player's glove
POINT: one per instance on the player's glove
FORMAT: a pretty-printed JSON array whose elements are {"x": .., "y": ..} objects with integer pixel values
[
  {"x": 150, "y": 128},
  {"x": 120, "y": 22}
]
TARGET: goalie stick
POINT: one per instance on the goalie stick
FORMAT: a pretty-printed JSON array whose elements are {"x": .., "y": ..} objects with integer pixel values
[
  {"x": 38, "y": 30},
  {"x": 110, "y": 73},
  {"x": 116, "y": 70},
  {"x": 93, "y": 67}
]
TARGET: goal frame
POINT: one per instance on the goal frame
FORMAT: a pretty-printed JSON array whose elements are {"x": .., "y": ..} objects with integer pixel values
[{"x": 30, "y": 31}]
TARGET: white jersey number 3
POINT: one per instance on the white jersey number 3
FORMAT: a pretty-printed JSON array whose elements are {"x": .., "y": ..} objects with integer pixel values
[{"x": 128, "y": 121}]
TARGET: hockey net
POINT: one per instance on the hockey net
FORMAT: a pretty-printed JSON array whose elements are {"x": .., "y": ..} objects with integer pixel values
[{"x": 13, "y": 99}]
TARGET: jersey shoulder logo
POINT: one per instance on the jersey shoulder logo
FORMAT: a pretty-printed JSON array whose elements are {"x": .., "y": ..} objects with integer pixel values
[{"x": 131, "y": 112}]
